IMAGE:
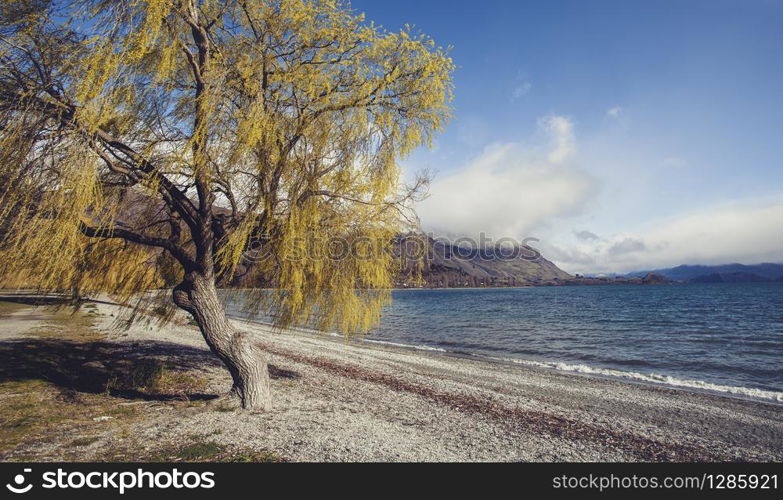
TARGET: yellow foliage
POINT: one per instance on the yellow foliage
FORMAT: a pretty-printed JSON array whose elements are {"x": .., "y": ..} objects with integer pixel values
[{"x": 277, "y": 121}]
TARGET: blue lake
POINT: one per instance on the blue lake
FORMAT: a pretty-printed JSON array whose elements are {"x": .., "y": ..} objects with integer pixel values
[{"x": 726, "y": 334}]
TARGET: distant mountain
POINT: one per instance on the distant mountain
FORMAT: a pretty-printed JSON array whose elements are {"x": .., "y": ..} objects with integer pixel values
[
  {"x": 738, "y": 277},
  {"x": 727, "y": 273},
  {"x": 446, "y": 265}
]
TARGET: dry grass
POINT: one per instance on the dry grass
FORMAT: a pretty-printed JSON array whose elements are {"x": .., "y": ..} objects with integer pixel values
[
  {"x": 8, "y": 308},
  {"x": 35, "y": 412},
  {"x": 65, "y": 322},
  {"x": 67, "y": 393},
  {"x": 204, "y": 450}
]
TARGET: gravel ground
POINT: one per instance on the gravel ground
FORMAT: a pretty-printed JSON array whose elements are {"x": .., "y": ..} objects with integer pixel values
[{"x": 356, "y": 401}]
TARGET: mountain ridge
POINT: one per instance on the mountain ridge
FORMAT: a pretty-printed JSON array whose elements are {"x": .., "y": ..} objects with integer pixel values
[
  {"x": 438, "y": 263},
  {"x": 734, "y": 273}
]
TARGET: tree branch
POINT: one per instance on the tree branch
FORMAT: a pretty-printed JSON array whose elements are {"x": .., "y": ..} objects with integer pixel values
[{"x": 120, "y": 233}]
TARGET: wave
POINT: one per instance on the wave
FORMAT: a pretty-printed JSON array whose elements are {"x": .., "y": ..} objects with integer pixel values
[
  {"x": 407, "y": 346},
  {"x": 653, "y": 378}
]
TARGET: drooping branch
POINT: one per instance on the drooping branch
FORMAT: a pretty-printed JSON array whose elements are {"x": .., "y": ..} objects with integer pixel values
[
  {"x": 141, "y": 239},
  {"x": 278, "y": 121},
  {"x": 136, "y": 165}
]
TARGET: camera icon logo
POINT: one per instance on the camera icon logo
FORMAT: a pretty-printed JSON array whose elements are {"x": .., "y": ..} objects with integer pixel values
[{"x": 19, "y": 483}]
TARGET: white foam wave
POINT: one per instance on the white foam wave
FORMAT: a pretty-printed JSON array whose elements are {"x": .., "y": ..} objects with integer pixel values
[
  {"x": 407, "y": 346},
  {"x": 654, "y": 378}
]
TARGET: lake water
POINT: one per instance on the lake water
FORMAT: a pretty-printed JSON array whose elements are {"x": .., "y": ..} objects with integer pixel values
[
  {"x": 724, "y": 337},
  {"x": 700, "y": 334}
]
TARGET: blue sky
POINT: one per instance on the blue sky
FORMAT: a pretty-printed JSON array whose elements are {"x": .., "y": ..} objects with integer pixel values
[{"x": 623, "y": 134}]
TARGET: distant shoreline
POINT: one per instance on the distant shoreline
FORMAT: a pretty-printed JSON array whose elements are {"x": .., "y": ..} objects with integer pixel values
[{"x": 676, "y": 283}]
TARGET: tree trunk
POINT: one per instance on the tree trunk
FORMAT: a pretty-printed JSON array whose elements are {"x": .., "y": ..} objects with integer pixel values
[{"x": 246, "y": 363}]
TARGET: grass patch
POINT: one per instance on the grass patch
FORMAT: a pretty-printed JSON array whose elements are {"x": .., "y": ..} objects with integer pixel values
[
  {"x": 65, "y": 322},
  {"x": 181, "y": 382},
  {"x": 38, "y": 411},
  {"x": 203, "y": 450},
  {"x": 262, "y": 456},
  {"x": 142, "y": 376},
  {"x": 60, "y": 379},
  {"x": 64, "y": 375},
  {"x": 83, "y": 441},
  {"x": 155, "y": 378},
  {"x": 199, "y": 451},
  {"x": 9, "y": 308}
]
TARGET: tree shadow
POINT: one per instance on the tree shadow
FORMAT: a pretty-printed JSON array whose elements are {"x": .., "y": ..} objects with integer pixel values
[
  {"x": 38, "y": 300},
  {"x": 128, "y": 370}
]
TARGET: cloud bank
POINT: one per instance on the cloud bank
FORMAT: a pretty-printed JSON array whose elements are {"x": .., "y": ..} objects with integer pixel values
[
  {"x": 511, "y": 189},
  {"x": 531, "y": 189},
  {"x": 748, "y": 232}
]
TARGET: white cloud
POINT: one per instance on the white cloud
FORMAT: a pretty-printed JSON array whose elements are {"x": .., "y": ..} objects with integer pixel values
[
  {"x": 586, "y": 235},
  {"x": 626, "y": 246},
  {"x": 510, "y": 189},
  {"x": 521, "y": 90},
  {"x": 746, "y": 232},
  {"x": 571, "y": 259},
  {"x": 561, "y": 132},
  {"x": 614, "y": 112}
]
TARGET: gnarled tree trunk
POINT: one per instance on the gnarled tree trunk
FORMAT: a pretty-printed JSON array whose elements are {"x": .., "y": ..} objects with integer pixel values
[{"x": 197, "y": 295}]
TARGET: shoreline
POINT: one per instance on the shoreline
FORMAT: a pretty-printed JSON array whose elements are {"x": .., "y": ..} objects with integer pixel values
[
  {"x": 360, "y": 401},
  {"x": 699, "y": 386},
  {"x": 632, "y": 377},
  {"x": 573, "y": 381}
]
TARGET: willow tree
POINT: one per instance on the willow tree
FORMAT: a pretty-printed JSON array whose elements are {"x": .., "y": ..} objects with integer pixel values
[{"x": 143, "y": 138}]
